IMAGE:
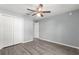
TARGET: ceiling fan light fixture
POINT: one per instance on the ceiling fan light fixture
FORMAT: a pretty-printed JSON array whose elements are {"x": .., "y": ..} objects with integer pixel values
[
  {"x": 38, "y": 14},
  {"x": 40, "y": 9}
]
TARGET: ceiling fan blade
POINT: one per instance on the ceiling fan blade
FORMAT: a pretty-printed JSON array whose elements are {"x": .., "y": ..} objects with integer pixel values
[
  {"x": 34, "y": 14},
  {"x": 31, "y": 10},
  {"x": 46, "y": 11},
  {"x": 42, "y": 15},
  {"x": 27, "y": 13}
]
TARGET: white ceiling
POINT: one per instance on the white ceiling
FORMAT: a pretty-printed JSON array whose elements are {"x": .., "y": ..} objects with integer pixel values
[{"x": 54, "y": 8}]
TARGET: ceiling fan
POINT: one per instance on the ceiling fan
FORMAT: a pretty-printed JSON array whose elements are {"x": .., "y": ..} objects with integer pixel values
[{"x": 39, "y": 11}]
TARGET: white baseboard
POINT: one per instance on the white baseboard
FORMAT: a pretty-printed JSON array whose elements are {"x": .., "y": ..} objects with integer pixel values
[
  {"x": 1, "y": 48},
  {"x": 27, "y": 41},
  {"x": 60, "y": 43},
  {"x": 15, "y": 44}
]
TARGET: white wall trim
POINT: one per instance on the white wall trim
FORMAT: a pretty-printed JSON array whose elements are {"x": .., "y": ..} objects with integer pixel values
[
  {"x": 60, "y": 43},
  {"x": 26, "y": 41},
  {"x": 1, "y": 48},
  {"x": 17, "y": 43}
]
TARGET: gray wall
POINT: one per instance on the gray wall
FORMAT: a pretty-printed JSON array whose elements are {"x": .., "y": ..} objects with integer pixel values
[{"x": 62, "y": 28}]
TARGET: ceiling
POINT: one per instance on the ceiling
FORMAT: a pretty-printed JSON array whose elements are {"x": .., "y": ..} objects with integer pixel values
[{"x": 54, "y": 8}]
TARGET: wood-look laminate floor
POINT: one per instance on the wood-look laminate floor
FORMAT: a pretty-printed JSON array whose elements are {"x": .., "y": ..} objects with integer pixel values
[{"x": 39, "y": 47}]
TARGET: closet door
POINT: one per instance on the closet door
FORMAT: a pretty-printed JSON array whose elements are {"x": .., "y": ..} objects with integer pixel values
[
  {"x": 18, "y": 30},
  {"x": 1, "y": 32},
  {"x": 11, "y": 30},
  {"x": 8, "y": 31}
]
